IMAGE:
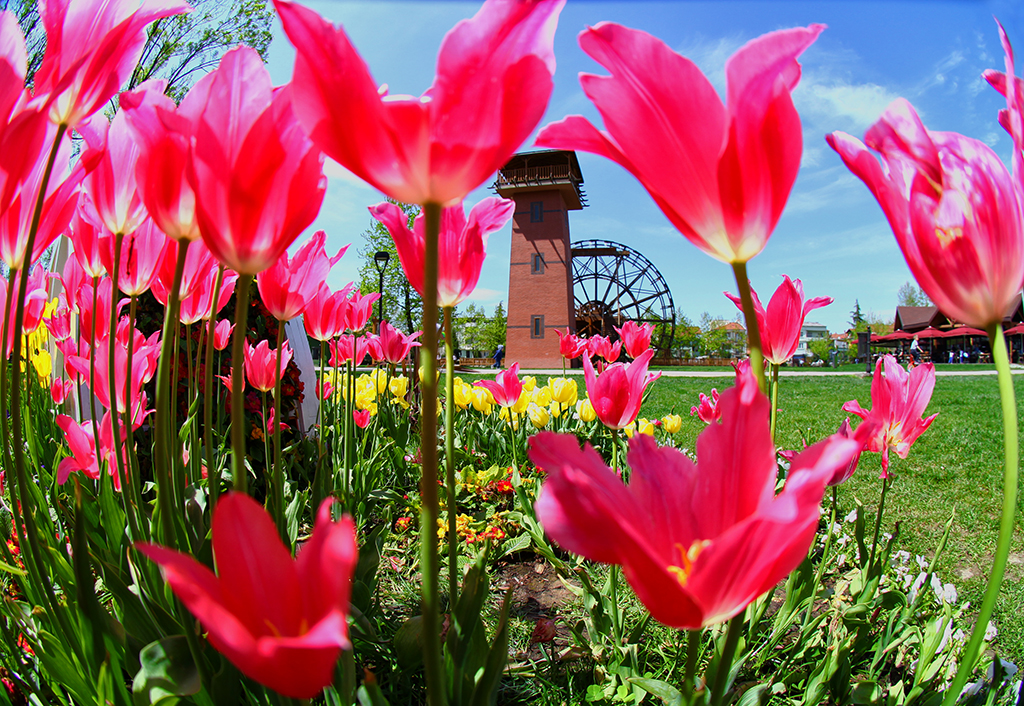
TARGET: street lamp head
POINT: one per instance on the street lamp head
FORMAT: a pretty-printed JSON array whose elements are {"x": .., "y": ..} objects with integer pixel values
[{"x": 381, "y": 259}]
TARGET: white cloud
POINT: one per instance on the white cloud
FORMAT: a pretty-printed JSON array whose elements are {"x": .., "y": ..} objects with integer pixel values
[{"x": 854, "y": 106}]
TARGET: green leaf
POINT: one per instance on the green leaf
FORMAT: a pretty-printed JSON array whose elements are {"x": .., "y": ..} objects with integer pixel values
[
  {"x": 167, "y": 673},
  {"x": 668, "y": 694}
]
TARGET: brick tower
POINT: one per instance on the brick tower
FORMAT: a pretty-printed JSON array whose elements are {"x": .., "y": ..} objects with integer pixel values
[{"x": 545, "y": 185}]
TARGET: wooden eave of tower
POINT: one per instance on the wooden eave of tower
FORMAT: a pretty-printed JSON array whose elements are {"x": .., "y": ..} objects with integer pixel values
[{"x": 543, "y": 170}]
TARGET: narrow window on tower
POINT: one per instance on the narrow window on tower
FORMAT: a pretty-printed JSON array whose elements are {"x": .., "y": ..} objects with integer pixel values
[
  {"x": 537, "y": 326},
  {"x": 537, "y": 263},
  {"x": 537, "y": 212}
]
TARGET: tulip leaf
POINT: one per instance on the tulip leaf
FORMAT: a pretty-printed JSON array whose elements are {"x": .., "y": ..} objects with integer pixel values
[
  {"x": 167, "y": 672},
  {"x": 669, "y": 695}
]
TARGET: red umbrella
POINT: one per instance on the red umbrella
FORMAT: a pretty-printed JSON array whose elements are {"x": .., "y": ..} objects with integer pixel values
[
  {"x": 963, "y": 331},
  {"x": 896, "y": 336},
  {"x": 1015, "y": 330},
  {"x": 930, "y": 332}
]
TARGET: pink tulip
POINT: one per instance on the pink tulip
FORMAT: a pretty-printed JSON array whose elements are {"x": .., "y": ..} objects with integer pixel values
[
  {"x": 603, "y": 347},
  {"x": 104, "y": 296},
  {"x": 324, "y": 389},
  {"x": 85, "y": 238},
  {"x": 462, "y": 244},
  {"x": 361, "y": 417},
  {"x": 59, "y": 322},
  {"x": 60, "y": 390},
  {"x": 222, "y": 334},
  {"x": 226, "y": 379},
  {"x": 506, "y": 386},
  {"x": 324, "y": 315},
  {"x": 636, "y": 338},
  {"x": 617, "y": 393},
  {"x": 110, "y": 156},
  {"x": 92, "y": 47},
  {"x": 200, "y": 266},
  {"x": 142, "y": 253},
  {"x": 570, "y": 345},
  {"x": 81, "y": 441},
  {"x": 35, "y": 303},
  {"x": 359, "y": 310},
  {"x": 199, "y": 305},
  {"x": 163, "y": 133},
  {"x": 395, "y": 345},
  {"x": 898, "y": 399},
  {"x": 348, "y": 347},
  {"x": 439, "y": 147},
  {"x": 780, "y": 324},
  {"x": 258, "y": 179},
  {"x": 281, "y": 621},
  {"x": 707, "y": 409},
  {"x": 721, "y": 173},
  {"x": 953, "y": 207},
  {"x": 281, "y": 426},
  {"x": 288, "y": 285},
  {"x": 261, "y": 364},
  {"x": 862, "y": 435},
  {"x": 21, "y": 174},
  {"x": 700, "y": 541}
]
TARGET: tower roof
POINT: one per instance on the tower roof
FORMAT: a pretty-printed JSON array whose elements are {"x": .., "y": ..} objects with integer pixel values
[{"x": 543, "y": 170}]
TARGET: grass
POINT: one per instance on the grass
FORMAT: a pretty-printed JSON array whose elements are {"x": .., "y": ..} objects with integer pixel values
[{"x": 956, "y": 466}]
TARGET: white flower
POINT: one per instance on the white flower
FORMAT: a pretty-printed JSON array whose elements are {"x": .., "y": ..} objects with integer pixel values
[
  {"x": 991, "y": 631},
  {"x": 1009, "y": 670},
  {"x": 852, "y": 517}
]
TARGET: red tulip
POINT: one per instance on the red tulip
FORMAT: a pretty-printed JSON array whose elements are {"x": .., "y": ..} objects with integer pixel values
[
  {"x": 636, "y": 338},
  {"x": 281, "y": 621},
  {"x": 222, "y": 334},
  {"x": 324, "y": 389},
  {"x": 258, "y": 179},
  {"x": 394, "y": 344},
  {"x": 81, "y": 441},
  {"x": 439, "y": 147},
  {"x": 721, "y": 173},
  {"x": 570, "y": 345},
  {"x": 617, "y": 393},
  {"x": 199, "y": 305},
  {"x": 200, "y": 266},
  {"x": 898, "y": 399},
  {"x": 85, "y": 239},
  {"x": 163, "y": 133},
  {"x": 324, "y": 315},
  {"x": 59, "y": 321},
  {"x": 261, "y": 364},
  {"x": 506, "y": 386},
  {"x": 92, "y": 47},
  {"x": 60, "y": 389},
  {"x": 697, "y": 541},
  {"x": 780, "y": 324},
  {"x": 462, "y": 244},
  {"x": 707, "y": 409},
  {"x": 288, "y": 285},
  {"x": 954, "y": 208}
]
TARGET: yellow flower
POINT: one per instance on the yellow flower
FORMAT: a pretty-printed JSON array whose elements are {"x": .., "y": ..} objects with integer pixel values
[
  {"x": 380, "y": 377},
  {"x": 538, "y": 416},
  {"x": 463, "y": 394},
  {"x": 522, "y": 403},
  {"x": 630, "y": 430},
  {"x": 437, "y": 373},
  {"x": 542, "y": 396},
  {"x": 482, "y": 400},
  {"x": 529, "y": 383},
  {"x": 645, "y": 426},
  {"x": 555, "y": 410},
  {"x": 585, "y": 411},
  {"x": 43, "y": 364},
  {"x": 672, "y": 423},
  {"x": 399, "y": 386},
  {"x": 505, "y": 414},
  {"x": 563, "y": 390}
]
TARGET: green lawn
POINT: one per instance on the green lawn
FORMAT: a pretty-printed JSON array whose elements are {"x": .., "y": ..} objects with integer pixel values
[{"x": 955, "y": 465}]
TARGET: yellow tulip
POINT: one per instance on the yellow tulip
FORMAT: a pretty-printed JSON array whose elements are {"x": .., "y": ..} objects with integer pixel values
[
  {"x": 538, "y": 416},
  {"x": 672, "y": 423},
  {"x": 645, "y": 426},
  {"x": 399, "y": 386},
  {"x": 585, "y": 411},
  {"x": 542, "y": 396},
  {"x": 563, "y": 390},
  {"x": 529, "y": 383}
]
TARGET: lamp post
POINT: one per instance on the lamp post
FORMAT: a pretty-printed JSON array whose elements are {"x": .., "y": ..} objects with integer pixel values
[{"x": 380, "y": 260}]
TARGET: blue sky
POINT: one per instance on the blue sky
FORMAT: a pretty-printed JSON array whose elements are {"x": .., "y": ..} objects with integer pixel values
[{"x": 832, "y": 236}]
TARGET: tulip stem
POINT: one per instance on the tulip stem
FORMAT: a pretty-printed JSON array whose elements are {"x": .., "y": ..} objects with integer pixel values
[
  {"x": 819, "y": 574},
  {"x": 115, "y": 431},
  {"x": 213, "y": 470},
  {"x": 164, "y": 408},
  {"x": 449, "y": 458},
  {"x": 732, "y": 638},
  {"x": 693, "y": 640},
  {"x": 318, "y": 475},
  {"x": 428, "y": 453},
  {"x": 775, "y": 398},
  {"x": 1010, "y": 472},
  {"x": 240, "y": 477},
  {"x": 878, "y": 523},
  {"x": 278, "y": 474},
  {"x": 753, "y": 330}
]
